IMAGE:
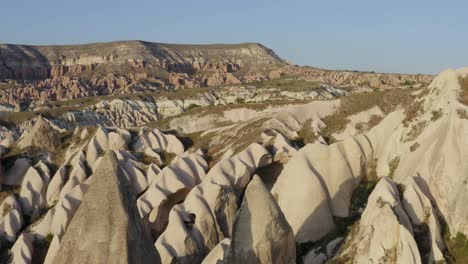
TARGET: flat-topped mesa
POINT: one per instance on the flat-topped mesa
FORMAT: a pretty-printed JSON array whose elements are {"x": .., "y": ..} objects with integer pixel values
[
  {"x": 24, "y": 62},
  {"x": 46, "y": 73}
]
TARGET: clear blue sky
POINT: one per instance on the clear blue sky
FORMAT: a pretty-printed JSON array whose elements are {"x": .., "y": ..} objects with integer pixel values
[{"x": 384, "y": 36}]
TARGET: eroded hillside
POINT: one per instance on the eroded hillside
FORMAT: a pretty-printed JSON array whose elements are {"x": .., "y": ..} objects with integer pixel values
[
  {"x": 310, "y": 166},
  {"x": 32, "y": 76}
]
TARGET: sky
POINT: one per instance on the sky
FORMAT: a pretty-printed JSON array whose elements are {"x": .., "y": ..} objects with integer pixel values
[{"x": 382, "y": 36}]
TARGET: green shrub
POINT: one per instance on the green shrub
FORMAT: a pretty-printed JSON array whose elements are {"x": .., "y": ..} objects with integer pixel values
[{"x": 436, "y": 115}]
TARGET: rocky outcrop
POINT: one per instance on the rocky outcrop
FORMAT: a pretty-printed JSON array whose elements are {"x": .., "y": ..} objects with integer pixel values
[
  {"x": 384, "y": 234},
  {"x": 42, "y": 136},
  {"x": 106, "y": 228},
  {"x": 158, "y": 141},
  {"x": 317, "y": 184},
  {"x": 11, "y": 219},
  {"x": 170, "y": 187},
  {"x": 261, "y": 233},
  {"x": 207, "y": 214}
]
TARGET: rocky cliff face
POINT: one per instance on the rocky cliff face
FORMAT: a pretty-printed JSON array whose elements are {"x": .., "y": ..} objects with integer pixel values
[{"x": 65, "y": 72}]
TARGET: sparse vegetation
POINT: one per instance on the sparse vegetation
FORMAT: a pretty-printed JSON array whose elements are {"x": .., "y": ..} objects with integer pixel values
[
  {"x": 416, "y": 130},
  {"x": 393, "y": 165},
  {"x": 462, "y": 113},
  {"x": 49, "y": 237},
  {"x": 464, "y": 90},
  {"x": 408, "y": 83},
  {"x": 457, "y": 246},
  {"x": 414, "y": 147},
  {"x": 192, "y": 106},
  {"x": 145, "y": 159},
  {"x": 436, "y": 115},
  {"x": 166, "y": 158},
  {"x": 374, "y": 120},
  {"x": 352, "y": 104},
  {"x": 240, "y": 100},
  {"x": 306, "y": 134}
]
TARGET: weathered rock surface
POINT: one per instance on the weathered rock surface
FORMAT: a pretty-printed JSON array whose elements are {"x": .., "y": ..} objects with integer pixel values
[
  {"x": 107, "y": 228},
  {"x": 11, "y": 219},
  {"x": 261, "y": 233},
  {"x": 42, "y": 136},
  {"x": 317, "y": 184},
  {"x": 384, "y": 234},
  {"x": 207, "y": 214},
  {"x": 169, "y": 188}
]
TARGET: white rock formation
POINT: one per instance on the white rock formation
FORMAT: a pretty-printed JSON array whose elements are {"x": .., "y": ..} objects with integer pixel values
[
  {"x": 281, "y": 147},
  {"x": 107, "y": 228},
  {"x": 384, "y": 233},
  {"x": 32, "y": 196},
  {"x": 11, "y": 219},
  {"x": 22, "y": 250},
  {"x": 170, "y": 187},
  {"x": 56, "y": 185},
  {"x": 261, "y": 233},
  {"x": 317, "y": 184},
  {"x": 207, "y": 214},
  {"x": 423, "y": 215},
  {"x": 52, "y": 251},
  {"x": 440, "y": 159},
  {"x": 218, "y": 254},
  {"x": 158, "y": 141}
]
